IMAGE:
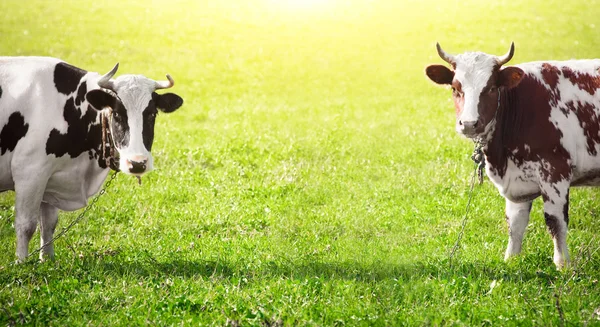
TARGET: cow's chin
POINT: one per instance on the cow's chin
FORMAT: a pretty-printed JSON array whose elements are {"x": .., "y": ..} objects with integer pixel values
[
  {"x": 471, "y": 135},
  {"x": 478, "y": 134},
  {"x": 136, "y": 174}
]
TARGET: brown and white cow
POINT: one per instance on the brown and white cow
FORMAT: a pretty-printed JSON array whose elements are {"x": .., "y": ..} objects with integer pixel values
[{"x": 539, "y": 126}]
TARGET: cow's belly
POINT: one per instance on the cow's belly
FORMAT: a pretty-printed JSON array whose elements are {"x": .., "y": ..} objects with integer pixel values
[
  {"x": 519, "y": 184},
  {"x": 586, "y": 178},
  {"x": 70, "y": 187}
]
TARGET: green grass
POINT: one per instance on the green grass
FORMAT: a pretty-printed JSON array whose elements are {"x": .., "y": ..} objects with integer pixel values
[{"x": 313, "y": 176}]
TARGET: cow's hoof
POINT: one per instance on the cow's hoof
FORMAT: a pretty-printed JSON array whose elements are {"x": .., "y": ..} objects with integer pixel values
[{"x": 562, "y": 265}]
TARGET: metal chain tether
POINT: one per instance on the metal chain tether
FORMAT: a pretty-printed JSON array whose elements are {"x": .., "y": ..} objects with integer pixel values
[
  {"x": 477, "y": 157},
  {"x": 81, "y": 215}
]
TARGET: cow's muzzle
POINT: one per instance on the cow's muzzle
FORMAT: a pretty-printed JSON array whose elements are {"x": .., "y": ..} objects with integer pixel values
[
  {"x": 469, "y": 128},
  {"x": 137, "y": 164}
]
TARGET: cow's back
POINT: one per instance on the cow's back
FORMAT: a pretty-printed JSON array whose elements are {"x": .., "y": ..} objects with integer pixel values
[
  {"x": 571, "y": 78},
  {"x": 25, "y": 81}
]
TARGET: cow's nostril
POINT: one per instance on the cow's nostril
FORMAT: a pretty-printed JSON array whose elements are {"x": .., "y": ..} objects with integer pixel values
[
  {"x": 137, "y": 167},
  {"x": 470, "y": 124}
]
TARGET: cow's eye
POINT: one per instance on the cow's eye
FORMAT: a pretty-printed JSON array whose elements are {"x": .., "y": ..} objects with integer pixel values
[
  {"x": 492, "y": 89},
  {"x": 117, "y": 115}
]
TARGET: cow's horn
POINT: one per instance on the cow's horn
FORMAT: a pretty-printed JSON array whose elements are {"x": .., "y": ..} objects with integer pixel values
[
  {"x": 165, "y": 84},
  {"x": 444, "y": 55},
  {"x": 105, "y": 81},
  {"x": 508, "y": 56}
]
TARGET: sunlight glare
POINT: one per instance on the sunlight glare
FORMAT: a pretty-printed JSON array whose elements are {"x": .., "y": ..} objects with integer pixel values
[{"x": 301, "y": 4}]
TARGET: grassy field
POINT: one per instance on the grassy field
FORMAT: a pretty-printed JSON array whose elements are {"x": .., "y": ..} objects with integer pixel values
[{"x": 312, "y": 177}]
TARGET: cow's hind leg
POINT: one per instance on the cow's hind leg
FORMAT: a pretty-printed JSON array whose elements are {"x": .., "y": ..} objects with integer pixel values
[
  {"x": 48, "y": 219},
  {"x": 556, "y": 214},
  {"x": 517, "y": 217}
]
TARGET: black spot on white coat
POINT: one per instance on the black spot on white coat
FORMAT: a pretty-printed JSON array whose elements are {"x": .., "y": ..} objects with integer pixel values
[
  {"x": 148, "y": 127},
  {"x": 81, "y": 94},
  {"x": 14, "y": 130},
  {"x": 77, "y": 139},
  {"x": 84, "y": 134},
  {"x": 67, "y": 77}
]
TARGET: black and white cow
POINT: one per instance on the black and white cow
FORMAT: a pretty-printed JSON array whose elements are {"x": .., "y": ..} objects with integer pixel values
[
  {"x": 539, "y": 123},
  {"x": 63, "y": 129}
]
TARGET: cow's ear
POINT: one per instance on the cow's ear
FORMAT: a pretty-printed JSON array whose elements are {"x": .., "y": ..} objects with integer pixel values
[
  {"x": 439, "y": 74},
  {"x": 510, "y": 77},
  {"x": 100, "y": 99},
  {"x": 167, "y": 102}
]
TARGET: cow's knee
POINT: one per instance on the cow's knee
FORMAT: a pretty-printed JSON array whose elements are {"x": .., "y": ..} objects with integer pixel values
[{"x": 24, "y": 227}]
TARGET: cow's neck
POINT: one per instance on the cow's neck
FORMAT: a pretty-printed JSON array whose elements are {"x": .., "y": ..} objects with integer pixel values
[{"x": 502, "y": 132}]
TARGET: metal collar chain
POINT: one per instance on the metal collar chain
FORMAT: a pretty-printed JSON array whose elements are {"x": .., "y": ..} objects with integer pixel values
[
  {"x": 477, "y": 156},
  {"x": 81, "y": 215},
  {"x": 479, "y": 160},
  {"x": 108, "y": 146}
]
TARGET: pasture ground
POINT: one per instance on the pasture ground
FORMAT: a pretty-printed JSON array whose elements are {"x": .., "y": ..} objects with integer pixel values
[{"x": 313, "y": 176}]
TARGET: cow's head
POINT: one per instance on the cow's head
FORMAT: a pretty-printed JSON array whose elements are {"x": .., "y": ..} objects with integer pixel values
[
  {"x": 476, "y": 81},
  {"x": 133, "y": 104}
]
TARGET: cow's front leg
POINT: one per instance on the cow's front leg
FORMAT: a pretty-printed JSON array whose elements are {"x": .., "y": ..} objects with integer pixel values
[
  {"x": 556, "y": 214},
  {"x": 48, "y": 219},
  {"x": 517, "y": 217},
  {"x": 27, "y": 210}
]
